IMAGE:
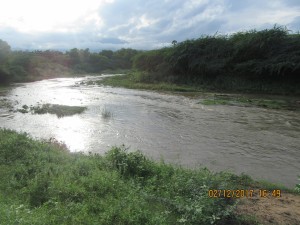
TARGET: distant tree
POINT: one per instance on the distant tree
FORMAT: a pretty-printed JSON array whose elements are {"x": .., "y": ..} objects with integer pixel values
[
  {"x": 4, "y": 51},
  {"x": 74, "y": 56},
  {"x": 174, "y": 42},
  {"x": 4, "y": 75},
  {"x": 107, "y": 53}
]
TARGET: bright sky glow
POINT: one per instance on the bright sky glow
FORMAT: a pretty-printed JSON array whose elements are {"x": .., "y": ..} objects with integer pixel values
[
  {"x": 49, "y": 16},
  {"x": 115, "y": 24}
]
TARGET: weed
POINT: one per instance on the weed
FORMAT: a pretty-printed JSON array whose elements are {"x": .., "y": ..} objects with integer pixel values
[
  {"x": 106, "y": 114},
  {"x": 131, "y": 81}
]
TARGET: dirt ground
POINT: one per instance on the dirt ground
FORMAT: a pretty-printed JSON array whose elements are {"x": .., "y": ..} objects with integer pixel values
[{"x": 284, "y": 210}]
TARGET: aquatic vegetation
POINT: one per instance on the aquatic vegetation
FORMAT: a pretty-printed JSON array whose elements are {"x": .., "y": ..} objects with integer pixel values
[
  {"x": 58, "y": 110},
  {"x": 106, "y": 114},
  {"x": 6, "y": 103}
]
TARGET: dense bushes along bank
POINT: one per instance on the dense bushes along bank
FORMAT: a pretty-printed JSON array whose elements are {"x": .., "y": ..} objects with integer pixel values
[
  {"x": 255, "y": 61},
  {"x": 42, "y": 183}
]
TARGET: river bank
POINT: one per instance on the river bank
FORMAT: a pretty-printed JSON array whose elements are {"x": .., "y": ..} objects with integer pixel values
[
  {"x": 121, "y": 187},
  {"x": 212, "y": 96}
]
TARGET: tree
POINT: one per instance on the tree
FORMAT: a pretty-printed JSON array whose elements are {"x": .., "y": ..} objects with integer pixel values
[
  {"x": 74, "y": 56},
  {"x": 174, "y": 42},
  {"x": 4, "y": 51},
  {"x": 107, "y": 53}
]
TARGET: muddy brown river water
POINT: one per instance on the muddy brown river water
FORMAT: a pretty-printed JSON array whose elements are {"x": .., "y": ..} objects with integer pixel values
[{"x": 263, "y": 143}]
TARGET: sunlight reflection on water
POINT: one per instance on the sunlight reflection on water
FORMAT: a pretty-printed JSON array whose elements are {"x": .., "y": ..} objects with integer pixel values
[{"x": 72, "y": 130}]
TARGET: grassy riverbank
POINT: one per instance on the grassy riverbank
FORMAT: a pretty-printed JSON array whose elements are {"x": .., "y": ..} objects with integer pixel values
[
  {"x": 207, "y": 94},
  {"x": 265, "y": 61},
  {"x": 142, "y": 80},
  {"x": 42, "y": 183},
  {"x": 131, "y": 80}
]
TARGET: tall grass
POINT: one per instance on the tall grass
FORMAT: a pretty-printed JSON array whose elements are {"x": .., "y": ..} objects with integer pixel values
[{"x": 135, "y": 80}]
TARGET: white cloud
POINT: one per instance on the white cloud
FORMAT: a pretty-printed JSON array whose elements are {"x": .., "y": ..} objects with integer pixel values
[
  {"x": 49, "y": 16},
  {"x": 259, "y": 15},
  {"x": 143, "y": 22},
  {"x": 135, "y": 23}
]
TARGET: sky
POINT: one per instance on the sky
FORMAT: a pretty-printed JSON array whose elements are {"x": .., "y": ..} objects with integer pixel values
[{"x": 139, "y": 24}]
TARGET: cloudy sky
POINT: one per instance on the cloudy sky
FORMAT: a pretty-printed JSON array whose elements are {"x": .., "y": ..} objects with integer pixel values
[{"x": 140, "y": 24}]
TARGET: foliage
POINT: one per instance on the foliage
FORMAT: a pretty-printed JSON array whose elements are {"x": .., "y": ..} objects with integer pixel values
[
  {"x": 17, "y": 66},
  {"x": 4, "y": 51},
  {"x": 265, "y": 60},
  {"x": 135, "y": 80},
  {"x": 85, "y": 61},
  {"x": 42, "y": 183}
]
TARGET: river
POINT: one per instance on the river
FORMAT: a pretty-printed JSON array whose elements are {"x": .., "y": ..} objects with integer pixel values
[{"x": 263, "y": 143}]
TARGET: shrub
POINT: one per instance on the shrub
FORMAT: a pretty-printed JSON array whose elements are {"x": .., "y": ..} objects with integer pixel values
[{"x": 133, "y": 164}]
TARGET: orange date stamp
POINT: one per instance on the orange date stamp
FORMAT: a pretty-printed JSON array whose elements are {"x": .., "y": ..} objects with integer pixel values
[{"x": 243, "y": 193}]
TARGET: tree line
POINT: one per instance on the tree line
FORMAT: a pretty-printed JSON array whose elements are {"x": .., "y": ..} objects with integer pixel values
[
  {"x": 266, "y": 56},
  {"x": 16, "y": 66}
]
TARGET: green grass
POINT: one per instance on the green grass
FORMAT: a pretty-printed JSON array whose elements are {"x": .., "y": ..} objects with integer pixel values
[
  {"x": 42, "y": 183},
  {"x": 58, "y": 110},
  {"x": 130, "y": 81}
]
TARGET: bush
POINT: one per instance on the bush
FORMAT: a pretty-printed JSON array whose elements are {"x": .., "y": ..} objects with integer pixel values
[
  {"x": 132, "y": 164},
  {"x": 266, "y": 56}
]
